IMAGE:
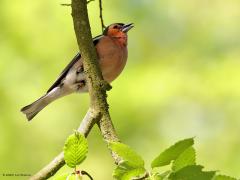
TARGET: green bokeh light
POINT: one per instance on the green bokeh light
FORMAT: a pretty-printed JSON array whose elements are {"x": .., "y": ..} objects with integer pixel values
[{"x": 181, "y": 80}]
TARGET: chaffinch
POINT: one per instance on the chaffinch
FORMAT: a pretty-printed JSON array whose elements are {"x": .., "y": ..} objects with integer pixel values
[{"x": 112, "y": 53}]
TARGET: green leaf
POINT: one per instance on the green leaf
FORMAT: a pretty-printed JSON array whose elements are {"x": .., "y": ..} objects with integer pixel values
[
  {"x": 127, "y": 154},
  {"x": 75, "y": 149},
  {"x": 172, "y": 153},
  {"x": 158, "y": 176},
  {"x": 192, "y": 172},
  {"x": 155, "y": 177},
  {"x": 223, "y": 177},
  {"x": 134, "y": 174},
  {"x": 188, "y": 157},
  {"x": 124, "y": 172}
]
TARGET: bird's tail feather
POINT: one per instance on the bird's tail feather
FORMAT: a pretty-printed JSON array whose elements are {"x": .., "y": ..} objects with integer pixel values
[{"x": 33, "y": 109}]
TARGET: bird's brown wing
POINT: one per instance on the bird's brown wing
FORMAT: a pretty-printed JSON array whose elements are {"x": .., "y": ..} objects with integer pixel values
[{"x": 68, "y": 67}]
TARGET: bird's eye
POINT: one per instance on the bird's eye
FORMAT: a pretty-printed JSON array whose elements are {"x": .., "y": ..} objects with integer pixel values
[{"x": 115, "y": 27}]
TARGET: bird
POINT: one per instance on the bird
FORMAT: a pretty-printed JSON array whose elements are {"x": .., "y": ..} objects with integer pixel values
[{"x": 112, "y": 52}]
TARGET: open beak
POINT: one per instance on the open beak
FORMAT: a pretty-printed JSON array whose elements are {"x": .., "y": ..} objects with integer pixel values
[{"x": 127, "y": 27}]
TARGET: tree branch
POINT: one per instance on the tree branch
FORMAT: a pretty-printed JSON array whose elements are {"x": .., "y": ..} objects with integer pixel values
[
  {"x": 68, "y": 4},
  {"x": 96, "y": 85},
  {"x": 101, "y": 15},
  {"x": 98, "y": 111}
]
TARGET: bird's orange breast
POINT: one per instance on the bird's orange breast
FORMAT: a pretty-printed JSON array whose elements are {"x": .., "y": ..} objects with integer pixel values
[{"x": 112, "y": 58}]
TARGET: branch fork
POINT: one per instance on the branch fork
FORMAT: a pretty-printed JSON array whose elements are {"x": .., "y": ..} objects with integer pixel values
[{"x": 98, "y": 111}]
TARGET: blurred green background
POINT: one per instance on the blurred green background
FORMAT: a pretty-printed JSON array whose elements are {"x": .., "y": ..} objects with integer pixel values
[{"x": 182, "y": 80}]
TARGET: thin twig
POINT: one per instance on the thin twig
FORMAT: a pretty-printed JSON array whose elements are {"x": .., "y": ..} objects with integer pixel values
[
  {"x": 101, "y": 15},
  {"x": 87, "y": 174},
  {"x": 65, "y": 4}
]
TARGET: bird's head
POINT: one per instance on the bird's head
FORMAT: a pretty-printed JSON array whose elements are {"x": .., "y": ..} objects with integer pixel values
[{"x": 118, "y": 32}]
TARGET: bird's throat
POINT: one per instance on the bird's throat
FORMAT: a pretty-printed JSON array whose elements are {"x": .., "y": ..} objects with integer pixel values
[{"x": 120, "y": 41}]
